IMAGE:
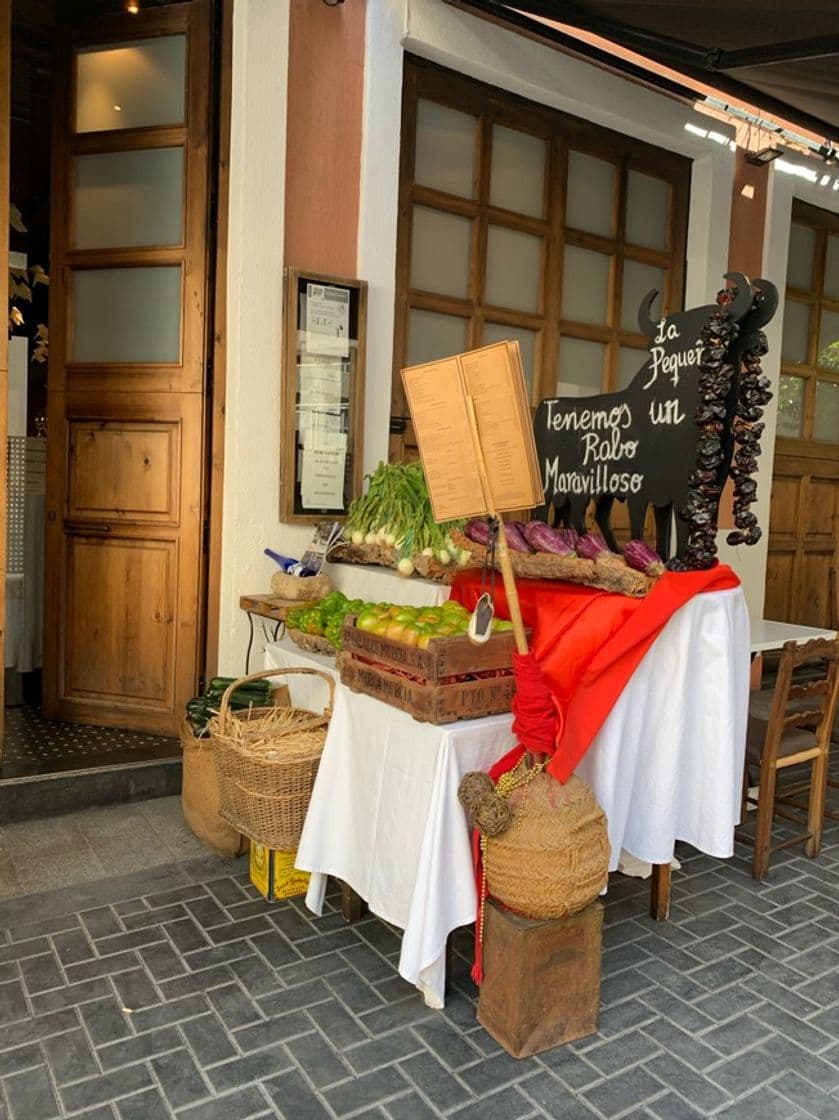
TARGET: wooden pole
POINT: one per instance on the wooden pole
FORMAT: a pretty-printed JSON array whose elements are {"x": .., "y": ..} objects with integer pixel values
[{"x": 503, "y": 552}]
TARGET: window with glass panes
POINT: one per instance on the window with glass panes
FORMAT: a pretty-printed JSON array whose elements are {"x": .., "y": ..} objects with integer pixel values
[
  {"x": 521, "y": 222},
  {"x": 808, "y": 395}
]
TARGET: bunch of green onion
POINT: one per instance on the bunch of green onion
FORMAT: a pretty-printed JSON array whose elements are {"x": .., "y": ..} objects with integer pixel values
[{"x": 395, "y": 512}]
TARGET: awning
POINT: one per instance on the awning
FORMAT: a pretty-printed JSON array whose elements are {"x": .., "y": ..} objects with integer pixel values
[{"x": 780, "y": 55}]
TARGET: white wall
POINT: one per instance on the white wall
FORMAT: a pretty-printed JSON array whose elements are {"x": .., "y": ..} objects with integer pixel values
[{"x": 254, "y": 316}]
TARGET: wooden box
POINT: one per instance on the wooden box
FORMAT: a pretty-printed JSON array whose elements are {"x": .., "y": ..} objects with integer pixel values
[
  {"x": 541, "y": 983},
  {"x": 451, "y": 680}
]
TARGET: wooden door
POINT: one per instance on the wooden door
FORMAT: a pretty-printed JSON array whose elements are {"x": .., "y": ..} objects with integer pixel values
[
  {"x": 5, "y": 122},
  {"x": 125, "y": 493},
  {"x": 802, "y": 575}
]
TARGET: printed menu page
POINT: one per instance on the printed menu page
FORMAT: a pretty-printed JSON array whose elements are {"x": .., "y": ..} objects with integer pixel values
[
  {"x": 437, "y": 402},
  {"x": 494, "y": 378},
  {"x": 437, "y": 394}
]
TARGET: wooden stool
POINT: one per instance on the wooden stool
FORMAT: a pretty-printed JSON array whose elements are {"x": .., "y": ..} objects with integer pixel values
[{"x": 541, "y": 983}]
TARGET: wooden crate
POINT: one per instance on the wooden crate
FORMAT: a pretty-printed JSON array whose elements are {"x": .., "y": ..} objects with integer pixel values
[
  {"x": 541, "y": 983},
  {"x": 422, "y": 681}
]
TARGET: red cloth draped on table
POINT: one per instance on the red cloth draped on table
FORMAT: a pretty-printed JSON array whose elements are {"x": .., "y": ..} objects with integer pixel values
[{"x": 589, "y": 642}]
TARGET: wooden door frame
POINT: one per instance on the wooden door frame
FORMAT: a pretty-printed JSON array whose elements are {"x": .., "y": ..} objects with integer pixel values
[
  {"x": 217, "y": 343},
  {"x": 189, "y": 375},
  {"x": 5, "y": 136}
]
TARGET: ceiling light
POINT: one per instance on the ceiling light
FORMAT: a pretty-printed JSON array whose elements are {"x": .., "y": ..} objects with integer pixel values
[
  {"x": 764, "y": 155},
  {"x": 117, "y": 108}
]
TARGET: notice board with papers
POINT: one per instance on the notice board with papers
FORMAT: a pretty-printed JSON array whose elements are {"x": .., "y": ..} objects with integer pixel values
[{"x": 322, "y": 395}]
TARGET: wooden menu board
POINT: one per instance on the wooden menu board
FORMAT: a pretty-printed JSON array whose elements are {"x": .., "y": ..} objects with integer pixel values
[{"x": 439, "y": 394}]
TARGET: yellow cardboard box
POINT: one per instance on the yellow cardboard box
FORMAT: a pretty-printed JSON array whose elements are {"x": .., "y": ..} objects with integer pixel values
[{"x": 274, "y": 874}]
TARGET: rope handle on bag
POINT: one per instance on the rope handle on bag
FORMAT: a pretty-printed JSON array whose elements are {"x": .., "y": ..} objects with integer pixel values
[{"x": 231, "y": 688}]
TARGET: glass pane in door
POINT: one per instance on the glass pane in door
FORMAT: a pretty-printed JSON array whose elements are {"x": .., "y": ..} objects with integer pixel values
[
  {"x": 647, "y": 212},
  {"x": 591, "y": 193},
  {"x": 124, "y": 199},
  {"x": 585, "y": 285},
  {"x": 514, "y": 263},
  {"x": 826, "y": 412},
  {"x": 131, "y": 85},
  {"x": 790, "y": 407},
  {"x": 127, "y": 315},
  {"x": 432, "y": 336},
  {"x": 517, "y": 180},
  {"x": 445, "y": 154},
  {"x": 580, "y": 367},
  {"x": 802, "y": 249},
  {"x": 440, "y": 249}
]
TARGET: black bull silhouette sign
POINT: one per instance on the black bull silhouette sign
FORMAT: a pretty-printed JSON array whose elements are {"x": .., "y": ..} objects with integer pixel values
[{"x": 639, "y": 444}]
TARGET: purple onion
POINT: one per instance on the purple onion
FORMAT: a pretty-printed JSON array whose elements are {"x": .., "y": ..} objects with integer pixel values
[
  {"x": 642, "y": 558},
  {"x": 544, "y": 539},
  {"x": 590, "y": 546}
]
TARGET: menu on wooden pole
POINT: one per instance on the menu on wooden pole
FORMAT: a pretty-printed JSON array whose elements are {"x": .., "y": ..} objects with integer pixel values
[{"x": 451, "y": 446}]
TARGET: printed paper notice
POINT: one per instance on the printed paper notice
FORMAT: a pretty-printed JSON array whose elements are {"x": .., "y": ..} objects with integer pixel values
[
  {"x": 320, "y": 382},
  {"x": 327, "y": 320},
  {"x": 322, "y": 477}
]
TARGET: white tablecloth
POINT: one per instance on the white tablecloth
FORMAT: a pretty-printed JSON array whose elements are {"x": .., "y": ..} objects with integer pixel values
[{"x": 666, "y": 765}]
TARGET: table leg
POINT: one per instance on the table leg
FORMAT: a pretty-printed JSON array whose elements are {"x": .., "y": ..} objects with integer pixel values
[
  {"x": 250, "y": 645},
  {"x": 660, "y": 892},
  {"x": 352, "y": 905}
]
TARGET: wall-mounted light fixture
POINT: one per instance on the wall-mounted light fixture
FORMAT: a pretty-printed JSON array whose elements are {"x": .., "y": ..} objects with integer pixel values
[
  {"x": 765, "y": 155},
  {"x": 132, "y": 7}
]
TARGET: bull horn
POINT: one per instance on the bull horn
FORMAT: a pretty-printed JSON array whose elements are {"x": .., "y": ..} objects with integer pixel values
[
  {"x": 646, "y": 324},
  {"x": 770, "y": 300},
  {"x": 743, "y": 300}
]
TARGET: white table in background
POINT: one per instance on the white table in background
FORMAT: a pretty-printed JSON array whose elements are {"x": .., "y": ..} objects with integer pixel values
[
  {"x": 767, "y": 634},
  {"x": 666, "y": 765}
]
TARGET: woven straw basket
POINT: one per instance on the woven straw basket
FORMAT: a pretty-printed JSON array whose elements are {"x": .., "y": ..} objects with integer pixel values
[
  {"x": 266, "y": 762},
  {"x": 300, "y": 588},
  {"x": 553, "y": 860}
]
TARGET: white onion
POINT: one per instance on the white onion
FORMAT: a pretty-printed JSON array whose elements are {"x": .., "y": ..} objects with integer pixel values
[
  {"x": 444, "y": 556},
  {"x": 370, "y": 538},
  {"x": 405, "y": 567},
  {"x": 358, "y": 537}
]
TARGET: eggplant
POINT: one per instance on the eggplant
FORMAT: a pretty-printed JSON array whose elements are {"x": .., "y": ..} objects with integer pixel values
[
  {"x": 590, "y": 546},
  {"x": 515, "y": 537},
  {"x": 477, "y": 530},
  {"x": 544, "y": 539},
  {"x": 640, "y": 556}
]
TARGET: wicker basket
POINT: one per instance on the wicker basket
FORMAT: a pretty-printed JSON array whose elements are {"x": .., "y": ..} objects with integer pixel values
[
  {"x": 266, "y": 762},
  {"x": 312, "y": 643},
  {"x": 553, "y": 860},
  {"x": 300, "y": 588},
  {"x": 199, "y": 797}
]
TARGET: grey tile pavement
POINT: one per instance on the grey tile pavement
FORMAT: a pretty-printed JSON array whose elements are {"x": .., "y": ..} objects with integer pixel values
[{"x": 176, "y": 992}]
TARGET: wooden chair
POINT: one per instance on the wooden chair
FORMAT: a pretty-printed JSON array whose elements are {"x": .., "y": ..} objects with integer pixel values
[{"x": 789, "y": 726}]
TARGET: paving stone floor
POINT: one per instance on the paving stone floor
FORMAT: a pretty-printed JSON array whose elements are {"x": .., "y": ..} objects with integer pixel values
[{"x": 176, "y": 991}]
